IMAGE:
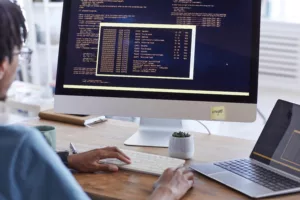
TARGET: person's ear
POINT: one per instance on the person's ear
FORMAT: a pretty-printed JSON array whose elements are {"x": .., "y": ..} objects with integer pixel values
[{"x": 3, "y": 67}]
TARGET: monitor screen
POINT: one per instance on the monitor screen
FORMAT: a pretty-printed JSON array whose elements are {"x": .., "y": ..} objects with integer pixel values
[{"x": 174, "y": 49}]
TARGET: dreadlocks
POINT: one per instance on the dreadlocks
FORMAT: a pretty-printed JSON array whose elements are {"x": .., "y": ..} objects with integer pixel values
[{"x": 13, "y": 31}]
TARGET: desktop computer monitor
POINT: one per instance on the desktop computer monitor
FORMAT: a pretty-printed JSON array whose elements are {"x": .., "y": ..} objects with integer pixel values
[{"x": 164, "y": 59}]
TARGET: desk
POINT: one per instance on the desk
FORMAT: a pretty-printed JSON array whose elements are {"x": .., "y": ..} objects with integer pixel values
[{"x": 136, "y": 186}]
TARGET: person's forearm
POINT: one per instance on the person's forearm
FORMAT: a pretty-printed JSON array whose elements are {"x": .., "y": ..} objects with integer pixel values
[{"x": 162, "y": 193}]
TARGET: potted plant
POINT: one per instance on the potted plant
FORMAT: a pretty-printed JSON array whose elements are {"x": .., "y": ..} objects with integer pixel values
[{"x": 181, "y": 145}]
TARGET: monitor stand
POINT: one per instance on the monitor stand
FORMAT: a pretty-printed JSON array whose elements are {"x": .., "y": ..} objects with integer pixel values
[{"x": 154, "y": 133}]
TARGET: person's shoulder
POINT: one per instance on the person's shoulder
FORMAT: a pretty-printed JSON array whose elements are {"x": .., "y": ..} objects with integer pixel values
[
  {"x": 13, "y": 140},
  {"x": 16, "y": 131}
]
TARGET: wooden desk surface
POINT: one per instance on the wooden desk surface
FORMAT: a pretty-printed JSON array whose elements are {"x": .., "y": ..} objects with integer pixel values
[{"x": 131, "y": 185}]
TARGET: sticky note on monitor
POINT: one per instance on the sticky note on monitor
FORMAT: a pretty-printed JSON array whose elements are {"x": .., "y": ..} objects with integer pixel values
[{"x": 218, "y": 113}]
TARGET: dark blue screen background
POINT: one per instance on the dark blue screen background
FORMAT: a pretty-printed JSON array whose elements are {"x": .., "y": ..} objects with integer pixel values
[{"x": 222, "y": 56}]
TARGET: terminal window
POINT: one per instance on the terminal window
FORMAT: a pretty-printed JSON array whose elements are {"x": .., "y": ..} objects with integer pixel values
[
  {"x": 178, "y": 46},
  {"x": 146, "y": 51}
]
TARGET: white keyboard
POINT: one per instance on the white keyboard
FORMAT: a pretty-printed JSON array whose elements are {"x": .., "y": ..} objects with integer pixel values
[{"x": 146, "y": 163}]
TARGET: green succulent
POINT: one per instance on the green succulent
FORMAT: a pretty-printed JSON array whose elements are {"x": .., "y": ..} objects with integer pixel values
[{"x": 181, "y": 134}]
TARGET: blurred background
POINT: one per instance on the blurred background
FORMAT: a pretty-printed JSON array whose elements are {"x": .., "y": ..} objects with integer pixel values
[{"x": 279, "y": 64}]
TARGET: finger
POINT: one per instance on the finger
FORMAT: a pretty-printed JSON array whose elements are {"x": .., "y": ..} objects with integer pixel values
[
  {"x": 166, "y": 173},
  {"x": 107, "y": 167},
  {"x": 191, "y": 183},
  {"x": 181, "y": 170},
  {"x": 111, "y": 154},
  {"x": 116, "y": 149},
  {"x": 155, "y": 184},
  {"x": 189, "y": 176},
  {"x": 187, "y": 170},
  {"x": 169, "y": 172}
]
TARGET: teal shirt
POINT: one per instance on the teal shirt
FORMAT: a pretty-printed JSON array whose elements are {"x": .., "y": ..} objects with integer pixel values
[{"x": 31, "y": 170}]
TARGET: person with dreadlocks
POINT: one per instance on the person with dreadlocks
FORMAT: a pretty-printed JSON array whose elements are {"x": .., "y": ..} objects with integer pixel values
[{"x": 29, "y": 168}]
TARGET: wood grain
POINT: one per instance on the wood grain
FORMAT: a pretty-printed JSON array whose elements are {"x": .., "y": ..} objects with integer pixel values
[{"x": 130, "y": 185}]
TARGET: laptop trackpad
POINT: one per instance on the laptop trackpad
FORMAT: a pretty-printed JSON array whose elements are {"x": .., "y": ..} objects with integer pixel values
[{"x": 241, "y": 184}]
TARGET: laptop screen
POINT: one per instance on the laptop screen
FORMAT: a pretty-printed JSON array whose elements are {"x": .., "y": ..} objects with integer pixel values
[{"x": 279, "y": 143}]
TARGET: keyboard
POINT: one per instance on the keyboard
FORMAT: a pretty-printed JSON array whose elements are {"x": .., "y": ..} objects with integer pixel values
[
  {"x": 146, "y": 163},
  {"x": 259, "y": 175}
]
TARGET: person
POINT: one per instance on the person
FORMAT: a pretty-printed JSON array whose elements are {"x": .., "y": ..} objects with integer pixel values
[{"x": 29, "y": 168}]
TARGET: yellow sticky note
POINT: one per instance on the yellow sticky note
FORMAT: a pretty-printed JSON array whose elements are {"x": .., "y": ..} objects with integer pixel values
[{"x": 218, "y": 113}]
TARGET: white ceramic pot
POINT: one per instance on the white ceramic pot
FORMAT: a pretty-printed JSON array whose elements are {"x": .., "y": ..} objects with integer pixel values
[{"x": 182, "y": 148}]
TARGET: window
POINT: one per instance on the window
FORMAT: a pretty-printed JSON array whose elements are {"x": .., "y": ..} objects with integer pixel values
[{"x": 283, "y": 10}]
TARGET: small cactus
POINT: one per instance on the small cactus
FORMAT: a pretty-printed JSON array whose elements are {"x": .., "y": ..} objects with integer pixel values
[{"x": 181, "y": 134}]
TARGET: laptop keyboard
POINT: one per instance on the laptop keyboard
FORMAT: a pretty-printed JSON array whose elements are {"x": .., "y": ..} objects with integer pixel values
[{"x": 259, "y": 175}]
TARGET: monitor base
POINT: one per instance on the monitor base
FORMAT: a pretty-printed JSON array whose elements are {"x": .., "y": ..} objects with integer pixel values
[{"x": 154, "y": 133}]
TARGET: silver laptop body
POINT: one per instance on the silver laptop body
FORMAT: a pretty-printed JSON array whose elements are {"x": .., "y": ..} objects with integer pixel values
[{"x": 277, "y": 150}]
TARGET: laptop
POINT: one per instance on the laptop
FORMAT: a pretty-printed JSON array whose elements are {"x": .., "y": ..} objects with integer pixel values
[{"x": 273, "y": 167}]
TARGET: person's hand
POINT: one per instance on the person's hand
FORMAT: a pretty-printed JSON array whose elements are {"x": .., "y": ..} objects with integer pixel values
[
  {"x": 173, "y": 184},
  {"x": 89, "y": 161}
]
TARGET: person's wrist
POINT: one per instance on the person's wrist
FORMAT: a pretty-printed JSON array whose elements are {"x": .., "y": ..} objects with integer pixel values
[
  {"x": 70, "y": 160},
  {"x": 166, "y": 192}
]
